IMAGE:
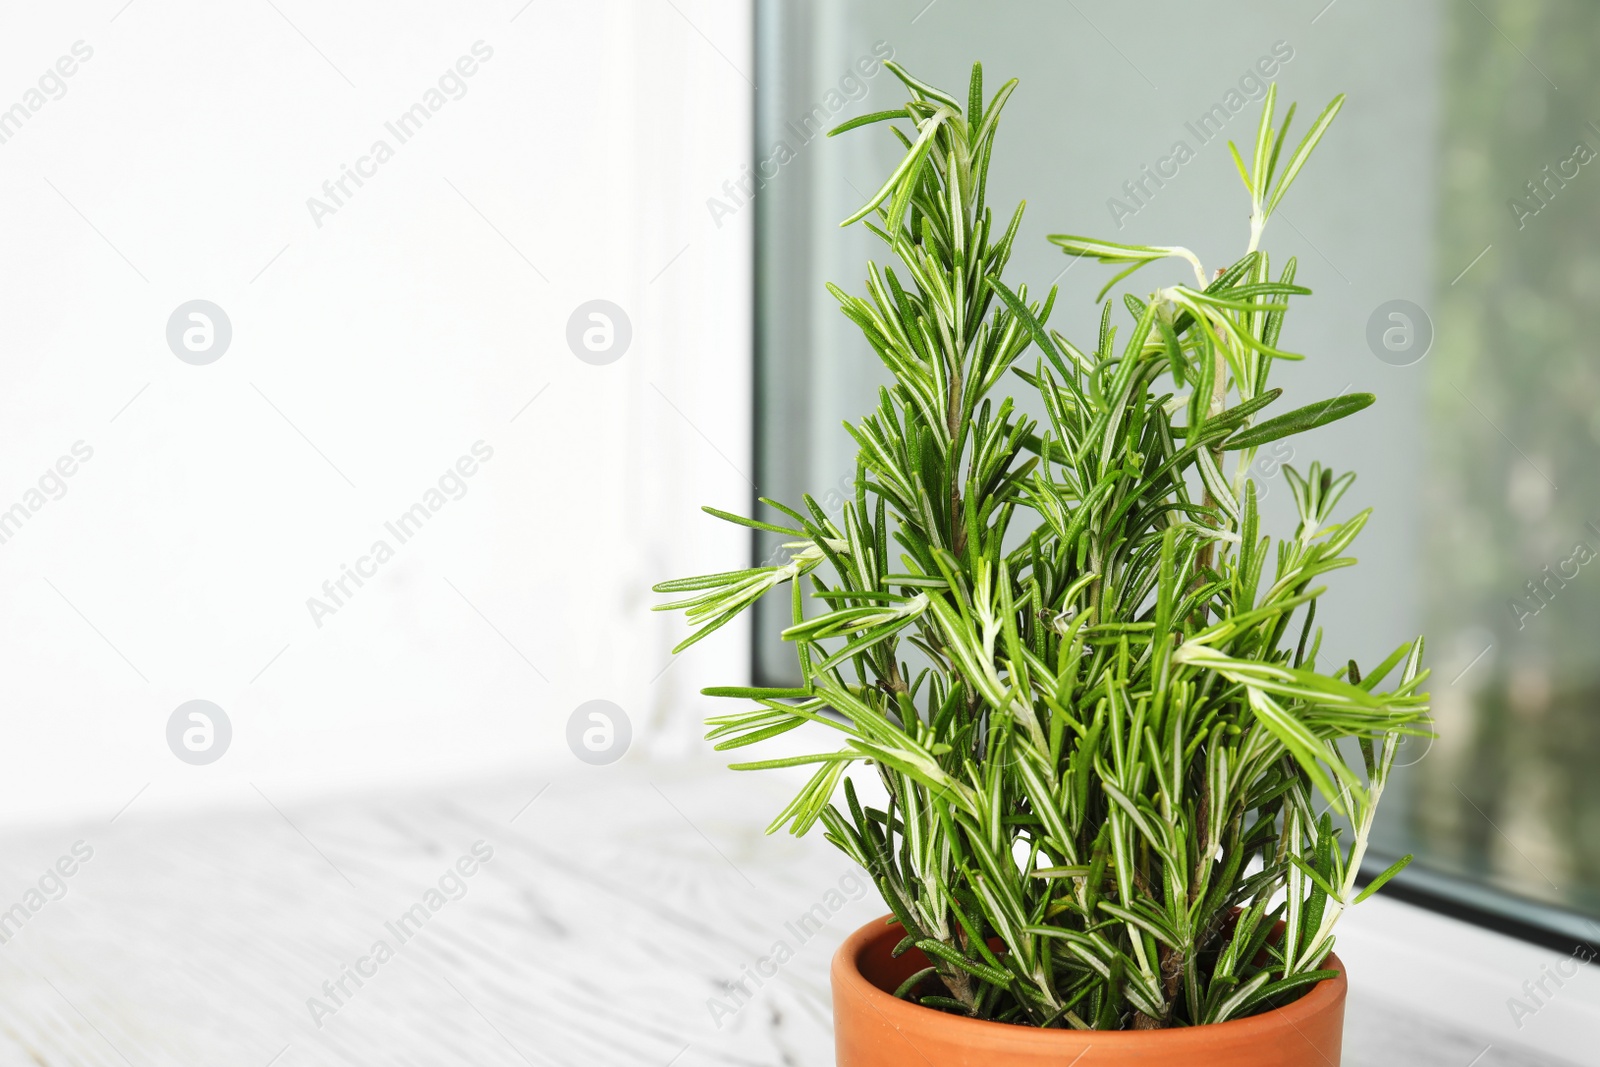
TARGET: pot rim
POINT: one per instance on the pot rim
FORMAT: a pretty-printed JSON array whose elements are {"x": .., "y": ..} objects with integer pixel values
[{"x": 906, "y": 1016}]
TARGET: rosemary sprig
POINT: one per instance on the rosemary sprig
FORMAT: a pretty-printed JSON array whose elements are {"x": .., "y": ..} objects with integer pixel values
[{"x": 1102, "y": 736}]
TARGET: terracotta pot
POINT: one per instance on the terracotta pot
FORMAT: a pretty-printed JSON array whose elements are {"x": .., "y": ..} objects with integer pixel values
[{"x": 874, "y": 1029}]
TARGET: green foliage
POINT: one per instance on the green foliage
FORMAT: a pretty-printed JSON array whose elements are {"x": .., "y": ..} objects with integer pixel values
[{"x": 1102, "y": 742}]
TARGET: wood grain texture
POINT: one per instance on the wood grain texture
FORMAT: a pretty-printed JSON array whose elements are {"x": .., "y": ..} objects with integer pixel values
[{"x": 617, "y": 909}]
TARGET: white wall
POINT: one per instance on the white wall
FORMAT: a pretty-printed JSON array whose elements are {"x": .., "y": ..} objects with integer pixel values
[{"x": 417, "y": 319}]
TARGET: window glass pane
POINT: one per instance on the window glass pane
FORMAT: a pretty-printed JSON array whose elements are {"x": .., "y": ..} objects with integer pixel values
[
  {"x": 1510, "y": 793},
  {"x": 1443, "y": 283}
]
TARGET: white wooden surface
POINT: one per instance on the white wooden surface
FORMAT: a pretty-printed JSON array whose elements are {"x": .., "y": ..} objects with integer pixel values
[{"x": 615, "y": 906}]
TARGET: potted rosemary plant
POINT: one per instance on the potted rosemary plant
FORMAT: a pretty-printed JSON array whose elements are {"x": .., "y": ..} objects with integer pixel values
[{"x": 1118, "y": 801}]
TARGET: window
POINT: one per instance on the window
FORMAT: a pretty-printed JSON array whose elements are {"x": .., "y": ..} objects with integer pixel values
[{"x": 1448, "y": 229}]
